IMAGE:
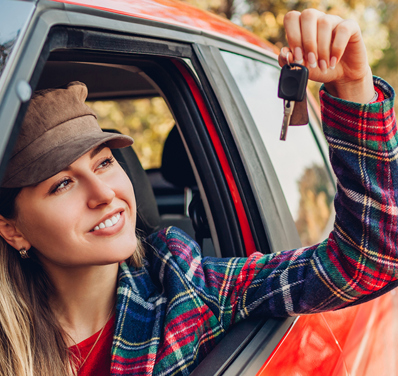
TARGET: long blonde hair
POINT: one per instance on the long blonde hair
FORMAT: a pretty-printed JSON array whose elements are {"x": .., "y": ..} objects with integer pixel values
[{"x": 31, "y": 339}]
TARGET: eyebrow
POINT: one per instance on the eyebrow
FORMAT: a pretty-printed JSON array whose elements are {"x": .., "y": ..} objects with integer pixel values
[{"x": 95, "y": 151}]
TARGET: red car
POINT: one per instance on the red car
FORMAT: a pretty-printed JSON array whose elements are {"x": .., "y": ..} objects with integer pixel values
[{"x": 222, "y": 173}]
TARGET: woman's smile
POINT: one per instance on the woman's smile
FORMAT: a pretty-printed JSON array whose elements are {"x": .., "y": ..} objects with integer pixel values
[{"x": 111, "y": 225}]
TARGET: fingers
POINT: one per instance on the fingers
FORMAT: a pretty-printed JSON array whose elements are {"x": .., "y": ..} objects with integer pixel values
[
  {"x": 346, "y": 31},
  {"x": 308, "y": 24},
  {"x": 325, "y": 26},
  {"x": 312, "y": 38},
  {"x": 332, "y": 49},
  {"x": 293, "y": 35}
]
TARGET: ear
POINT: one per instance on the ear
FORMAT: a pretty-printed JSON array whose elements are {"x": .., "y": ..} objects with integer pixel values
[{"x": 10, "y": 233}]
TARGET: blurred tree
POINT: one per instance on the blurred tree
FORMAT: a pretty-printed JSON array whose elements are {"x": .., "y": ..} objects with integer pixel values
[
  {"x": 387, "y": 67},
  {"x": 265, "y": 17}
]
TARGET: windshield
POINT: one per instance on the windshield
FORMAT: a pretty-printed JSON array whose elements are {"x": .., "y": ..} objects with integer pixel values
[{"x": 14, "y": 17}]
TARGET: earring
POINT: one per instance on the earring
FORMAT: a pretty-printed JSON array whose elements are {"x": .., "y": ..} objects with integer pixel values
[{"x": 24, "y": 253}]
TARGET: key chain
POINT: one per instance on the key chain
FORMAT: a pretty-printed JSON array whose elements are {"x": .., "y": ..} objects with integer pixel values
[{"x": 292, "y": 88}]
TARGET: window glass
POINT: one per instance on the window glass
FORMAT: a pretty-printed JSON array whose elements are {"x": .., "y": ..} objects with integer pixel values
[
  {"x": 148, "y": 121},
  {"x": 298, "y": 162},
  {"x": 13, "y": 16}
]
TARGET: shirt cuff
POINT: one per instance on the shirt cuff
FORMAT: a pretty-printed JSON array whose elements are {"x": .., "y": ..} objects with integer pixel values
[
  {"x": 358, "y": 123},
  {"x": 382, "y": 88}
]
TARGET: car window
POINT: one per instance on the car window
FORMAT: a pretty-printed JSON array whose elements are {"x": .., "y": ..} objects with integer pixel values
[
  {"x": 147, "y": 120},
  {"x": 13, "y": 17},
  {"x": 298, "y": 161}
]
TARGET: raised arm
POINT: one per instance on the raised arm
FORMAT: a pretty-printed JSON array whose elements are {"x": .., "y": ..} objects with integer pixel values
[{"x": 359, "y": 259}]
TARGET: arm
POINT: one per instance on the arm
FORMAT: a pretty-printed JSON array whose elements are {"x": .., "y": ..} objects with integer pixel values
[{"x": 359, "y": 259}]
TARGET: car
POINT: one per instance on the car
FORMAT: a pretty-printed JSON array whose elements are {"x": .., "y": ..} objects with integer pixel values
[{"x": 220, "y": 172}]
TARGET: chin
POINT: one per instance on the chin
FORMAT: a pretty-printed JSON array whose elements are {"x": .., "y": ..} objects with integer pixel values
[{"x": 122, "y": 251}]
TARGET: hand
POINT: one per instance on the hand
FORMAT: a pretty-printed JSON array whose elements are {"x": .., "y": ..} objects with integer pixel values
[{"x": 333, "y": 50}]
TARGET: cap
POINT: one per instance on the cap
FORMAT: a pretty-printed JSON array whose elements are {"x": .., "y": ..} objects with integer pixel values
[{"x": 58, "y": 128}]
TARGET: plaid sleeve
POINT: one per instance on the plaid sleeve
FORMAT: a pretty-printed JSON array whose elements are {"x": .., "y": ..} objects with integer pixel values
[{"x": 359, "y": 259}]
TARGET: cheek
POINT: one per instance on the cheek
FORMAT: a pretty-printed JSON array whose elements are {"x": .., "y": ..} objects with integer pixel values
[
  {"x": 46, "y": 226},
  {"x": 123, "y": 187}
]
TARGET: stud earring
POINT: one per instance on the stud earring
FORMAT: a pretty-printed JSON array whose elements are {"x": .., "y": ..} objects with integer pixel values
[{"x": 24, "y": 253}]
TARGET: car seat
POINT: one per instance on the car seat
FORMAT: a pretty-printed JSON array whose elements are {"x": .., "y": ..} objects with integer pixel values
[
  {"x": 148, "y": 219},
  {"x": 177, "y": 170}
]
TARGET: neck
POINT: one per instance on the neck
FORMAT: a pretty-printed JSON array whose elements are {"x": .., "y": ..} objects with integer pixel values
[{"x": 84, "y": 300}]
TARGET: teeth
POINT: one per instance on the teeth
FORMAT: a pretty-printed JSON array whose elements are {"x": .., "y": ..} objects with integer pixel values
[{"x": 108, "y": 223}]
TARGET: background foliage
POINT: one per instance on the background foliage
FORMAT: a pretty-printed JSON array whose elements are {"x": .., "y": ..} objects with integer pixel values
[{"x": 377, "y": 19}]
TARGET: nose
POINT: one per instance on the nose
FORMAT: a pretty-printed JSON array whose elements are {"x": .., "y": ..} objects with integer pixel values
[{"x": 99, "y": 193}]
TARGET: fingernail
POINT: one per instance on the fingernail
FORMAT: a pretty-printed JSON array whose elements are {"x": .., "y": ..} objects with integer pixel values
[
  {"x": 312, "y": 60},
  {"x": 323, "y": 66},
  {"x": 333, "y": 62},
  {"x": 283, "y": 52},
  {"x": 298, "y": 55}
]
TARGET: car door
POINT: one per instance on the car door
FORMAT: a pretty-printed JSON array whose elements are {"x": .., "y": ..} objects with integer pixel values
[
  {"x": 59, "y": 45},
  {"x": 349, "y": 341}
]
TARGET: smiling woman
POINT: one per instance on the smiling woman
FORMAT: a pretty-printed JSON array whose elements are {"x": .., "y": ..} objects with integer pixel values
[{"x": 81, "y": 295}]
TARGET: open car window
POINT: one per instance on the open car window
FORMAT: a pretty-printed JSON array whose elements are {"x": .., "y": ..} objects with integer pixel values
[
  {"x": 147, "y": 91},
  {"x": 159, "y": 148}
]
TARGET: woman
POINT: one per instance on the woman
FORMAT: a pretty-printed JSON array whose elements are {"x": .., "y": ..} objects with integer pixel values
[{"x": 71, "y": 305}]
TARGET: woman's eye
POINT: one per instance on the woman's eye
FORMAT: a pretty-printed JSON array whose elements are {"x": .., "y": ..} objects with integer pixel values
[
  {"x": 106, "y": 162},
  {"x": 61, "y": 186}
]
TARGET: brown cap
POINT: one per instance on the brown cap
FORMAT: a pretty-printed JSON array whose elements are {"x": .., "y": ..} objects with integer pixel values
[{"x": 57, "y": 130}]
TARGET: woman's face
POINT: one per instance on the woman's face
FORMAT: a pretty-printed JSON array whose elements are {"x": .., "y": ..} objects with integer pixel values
[{"x": 85, "y": 215}]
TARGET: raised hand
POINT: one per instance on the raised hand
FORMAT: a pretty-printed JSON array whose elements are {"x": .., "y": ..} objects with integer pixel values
[{"x": 333, "y": 50}]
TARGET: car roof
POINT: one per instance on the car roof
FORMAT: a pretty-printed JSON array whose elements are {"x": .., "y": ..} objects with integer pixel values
[{"x": 174, "y": 12}]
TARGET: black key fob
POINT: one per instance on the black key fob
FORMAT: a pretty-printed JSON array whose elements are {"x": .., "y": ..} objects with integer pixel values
[{"x": 293, "y": 82}]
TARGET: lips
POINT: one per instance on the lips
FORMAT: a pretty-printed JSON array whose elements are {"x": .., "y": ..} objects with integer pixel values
[{"x": 109, "y": 222}]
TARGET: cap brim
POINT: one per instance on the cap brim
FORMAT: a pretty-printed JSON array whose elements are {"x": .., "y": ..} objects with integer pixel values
[{"x": 60, "y": 157}]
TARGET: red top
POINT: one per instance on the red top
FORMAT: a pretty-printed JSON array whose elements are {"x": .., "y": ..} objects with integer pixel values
[{"x": 99, "y": 361}]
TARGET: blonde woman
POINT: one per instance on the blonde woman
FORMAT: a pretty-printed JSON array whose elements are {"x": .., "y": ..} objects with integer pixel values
[{"x": 81, "y": 296}]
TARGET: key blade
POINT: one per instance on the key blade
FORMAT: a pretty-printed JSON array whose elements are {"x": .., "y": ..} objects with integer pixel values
[{"x": 288, "y": 110}]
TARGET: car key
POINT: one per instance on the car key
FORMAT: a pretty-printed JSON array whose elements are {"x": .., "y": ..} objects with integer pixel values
[
  {"x": 292, "y": 85},
  {"x": 288, "y": 107}
]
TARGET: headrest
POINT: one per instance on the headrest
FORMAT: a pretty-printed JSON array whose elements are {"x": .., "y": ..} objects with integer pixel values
[{"x": 176, "y": 168}]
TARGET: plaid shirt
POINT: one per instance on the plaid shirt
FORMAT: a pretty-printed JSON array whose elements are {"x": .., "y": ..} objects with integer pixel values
[{"x": 172, "y": 312}]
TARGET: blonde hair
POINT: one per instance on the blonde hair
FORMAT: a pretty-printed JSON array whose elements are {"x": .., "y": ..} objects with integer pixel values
[{"x": 31, "y": 339}]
